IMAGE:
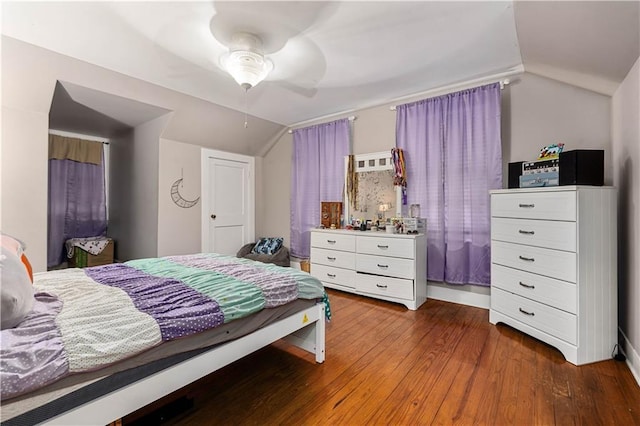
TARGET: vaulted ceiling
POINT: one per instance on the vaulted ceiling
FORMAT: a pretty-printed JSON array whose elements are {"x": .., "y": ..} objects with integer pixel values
[{"x": 333, "y": 57}]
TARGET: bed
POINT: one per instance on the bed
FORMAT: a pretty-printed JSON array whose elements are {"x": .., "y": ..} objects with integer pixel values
[{"x": 102, "y": 342}]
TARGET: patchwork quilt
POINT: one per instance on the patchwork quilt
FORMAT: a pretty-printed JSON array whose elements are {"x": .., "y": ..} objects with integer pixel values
[{"x": 86, "y": 319}]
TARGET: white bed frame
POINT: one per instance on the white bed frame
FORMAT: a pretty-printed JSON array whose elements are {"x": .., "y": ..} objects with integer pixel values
[{"x": 305, "y": 329}]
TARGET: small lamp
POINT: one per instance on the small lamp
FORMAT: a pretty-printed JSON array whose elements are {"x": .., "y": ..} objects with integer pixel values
[{"x": 382, "y": 210}]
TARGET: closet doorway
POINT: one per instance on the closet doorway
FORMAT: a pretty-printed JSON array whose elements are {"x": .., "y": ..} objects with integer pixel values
[
  {"x": 77, "y": 196},
  {"x": 228, "y": 201}
]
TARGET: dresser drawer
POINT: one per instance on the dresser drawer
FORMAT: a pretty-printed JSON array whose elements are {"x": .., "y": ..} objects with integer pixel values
[
  {"x": 393, "y": 247},
  {"x": 339, "y": 259},
  {"x": 554, "y": 205},
  {"x": 389, "y": 266},
  {"x": 555, "y": 293},
  {"x": 333, "y": 275},
  {"x": 545, "y": 318},
  {"x": 542, "y": 233},
  {"x": 551, "y": 263},
  {"x": 333, "y": 241},
  {"x": 385, "y": 286}
]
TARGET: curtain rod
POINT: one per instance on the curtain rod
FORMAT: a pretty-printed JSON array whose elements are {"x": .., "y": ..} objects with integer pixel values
[
  {"x": 79, "y": 136},
  {"x": 350, "y": 118},
  {"x": 456, "y": 88}
]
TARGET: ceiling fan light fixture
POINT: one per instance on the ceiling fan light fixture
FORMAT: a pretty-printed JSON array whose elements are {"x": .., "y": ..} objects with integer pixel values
[{"x": 245, "y": 61}]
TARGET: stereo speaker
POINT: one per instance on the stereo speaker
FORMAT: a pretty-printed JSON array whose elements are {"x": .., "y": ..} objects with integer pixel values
[
  {"x": 515, "y": 170},
  {"x": 581, "y": 167}
]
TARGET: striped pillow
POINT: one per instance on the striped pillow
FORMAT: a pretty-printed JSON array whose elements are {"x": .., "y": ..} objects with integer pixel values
[{"x": 268, "y": 245}]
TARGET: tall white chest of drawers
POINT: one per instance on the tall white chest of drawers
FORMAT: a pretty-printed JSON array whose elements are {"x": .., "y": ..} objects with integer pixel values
[
  {"x": 391, "y": 267},
  {"x": 554, "y": 267}
]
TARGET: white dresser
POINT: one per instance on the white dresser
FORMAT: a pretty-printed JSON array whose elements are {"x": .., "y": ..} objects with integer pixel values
[
  {"x": 554, "y": 267},
  {"x": 392, "y": 267}
]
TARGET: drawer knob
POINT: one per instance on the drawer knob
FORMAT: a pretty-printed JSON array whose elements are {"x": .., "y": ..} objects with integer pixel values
[
  {"x": 526, "y": 206},
  {"x": 527, "y": 285},
  {"x": 526, "y": 232},
  {"x": 528, "y": 259},
  {"x": 331, "y": 258},
  {"x": 382, "y": 266},
  {"x": 331, "y": 241},
  {"x": 526, "y": 313},
  {"x": 331, "y": 275},
  {"x": 382, "y": 247},
  {"x": 381, "y": 286}
]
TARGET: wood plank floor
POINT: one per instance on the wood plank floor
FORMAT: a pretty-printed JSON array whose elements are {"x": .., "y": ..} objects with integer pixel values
[{"x": 442, "y": 364}]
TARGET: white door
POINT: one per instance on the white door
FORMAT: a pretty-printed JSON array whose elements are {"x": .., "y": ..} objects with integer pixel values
[{"x": 228, "y": 201}]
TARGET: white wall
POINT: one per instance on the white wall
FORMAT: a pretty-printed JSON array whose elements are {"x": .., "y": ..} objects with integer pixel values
[
  {"x": 178, "y": 228},
  {"x": 374, "y": 130},
  {"x": 260, "y": 202},
  {"x": 273, "y": 211},
  {"x": 626, "y": 165},
  {"x": 538, "y": 111},
  {"x": 24, "y": 146},
  {"x": 146, "y": 153},
  {"x": 134, "y": 176},
  {"x": 23, "y": 193},
  {"x": 120, "y": 209}
]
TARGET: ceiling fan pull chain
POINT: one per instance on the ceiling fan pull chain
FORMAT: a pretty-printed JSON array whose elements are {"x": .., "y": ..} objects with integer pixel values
[{"x": 246, "y": 107}]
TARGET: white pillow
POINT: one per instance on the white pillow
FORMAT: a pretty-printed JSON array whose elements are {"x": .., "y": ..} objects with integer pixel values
[{"x": 16, "y": 289}]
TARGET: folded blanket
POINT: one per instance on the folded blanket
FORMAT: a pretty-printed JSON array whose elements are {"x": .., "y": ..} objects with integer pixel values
[{"x": 92, "y": 245}]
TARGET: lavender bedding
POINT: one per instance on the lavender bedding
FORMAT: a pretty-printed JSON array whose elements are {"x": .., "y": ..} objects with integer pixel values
[{"x": 86, "y": 319}]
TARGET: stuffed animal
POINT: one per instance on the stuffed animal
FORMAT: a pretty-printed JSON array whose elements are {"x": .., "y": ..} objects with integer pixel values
[{"x": 16, "y": 288}]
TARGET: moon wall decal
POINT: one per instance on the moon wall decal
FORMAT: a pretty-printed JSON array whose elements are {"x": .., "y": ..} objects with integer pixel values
[{"x": 178, "y": 199}]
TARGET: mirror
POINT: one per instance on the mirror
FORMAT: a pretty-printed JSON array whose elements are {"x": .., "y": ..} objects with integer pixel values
[
  {"x": 377, "y": 198},
  {"x": 376, "y": 195}
]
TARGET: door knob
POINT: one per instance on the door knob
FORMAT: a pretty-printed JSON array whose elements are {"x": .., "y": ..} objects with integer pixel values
[{"x": 213, "y": 216}]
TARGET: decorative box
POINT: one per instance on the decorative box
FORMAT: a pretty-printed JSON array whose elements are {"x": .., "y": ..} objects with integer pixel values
[
  {"x": 82, "y": 259},
  {"x": 330, "y": 214}
]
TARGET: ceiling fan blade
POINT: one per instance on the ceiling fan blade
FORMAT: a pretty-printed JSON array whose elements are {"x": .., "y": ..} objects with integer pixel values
[
  {"x": 183, "y": 35},
  {"x": 192, "y": 41},
  {"x": 307, "y": 92},
  {"x": 274, "y": 22},
  {"x": 300, "y": 62}
]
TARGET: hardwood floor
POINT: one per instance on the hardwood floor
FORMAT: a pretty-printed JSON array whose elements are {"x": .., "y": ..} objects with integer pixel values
[{"x": 442, "y": 364}]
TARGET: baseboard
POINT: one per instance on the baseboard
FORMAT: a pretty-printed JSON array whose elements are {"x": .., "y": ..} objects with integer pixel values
[
  {"x": 633, "y": 358},
  {"x": 470, "y": 295}
]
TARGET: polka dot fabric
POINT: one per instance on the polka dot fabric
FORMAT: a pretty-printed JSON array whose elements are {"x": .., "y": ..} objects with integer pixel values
[
  {"x": 86, "y": 319},
  {"x": 22, "y": 372},
  {"x": 99, "y": 324},
  {"x": 178, "y": 309}
]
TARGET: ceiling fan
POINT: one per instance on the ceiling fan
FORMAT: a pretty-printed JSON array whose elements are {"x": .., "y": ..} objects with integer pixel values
[
  {"x": 263, "y": 39},
  {"x": 276, "y": 30}
]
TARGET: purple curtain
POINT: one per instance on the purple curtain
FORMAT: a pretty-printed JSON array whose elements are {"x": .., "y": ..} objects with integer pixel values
[
  {"x": 453, "y": 158},
  {"x": 77, "y": 205},
  {"x": 317, "y": 174}
]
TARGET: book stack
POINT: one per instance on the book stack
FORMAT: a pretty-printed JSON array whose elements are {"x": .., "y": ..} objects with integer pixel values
[{"x": 543, "y": 172}]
